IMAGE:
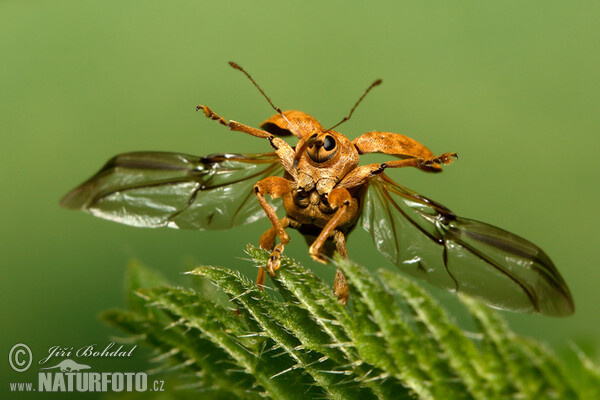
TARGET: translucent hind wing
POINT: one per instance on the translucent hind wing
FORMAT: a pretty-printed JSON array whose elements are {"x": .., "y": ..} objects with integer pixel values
[
  {"x": 156, "y": 189},
  {"x": 430, "y": 242}
]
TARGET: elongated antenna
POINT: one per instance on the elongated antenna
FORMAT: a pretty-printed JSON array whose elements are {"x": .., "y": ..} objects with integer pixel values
[
  {"x": 235, "y": 65},
  {"x": 346, "y": 118}
]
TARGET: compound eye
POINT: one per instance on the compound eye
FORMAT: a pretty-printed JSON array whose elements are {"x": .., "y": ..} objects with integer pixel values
[
  {"x": 321, "y": 149},
  {"x": 329, "y": 143}
]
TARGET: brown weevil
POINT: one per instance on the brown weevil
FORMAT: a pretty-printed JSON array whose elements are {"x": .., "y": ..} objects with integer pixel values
[{"x": 325, "y": 193}]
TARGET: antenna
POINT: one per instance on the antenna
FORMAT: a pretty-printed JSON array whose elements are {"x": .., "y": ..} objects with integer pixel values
[
  {"x": 346, "y": 118},
  {"x": 235, "y": 65}
]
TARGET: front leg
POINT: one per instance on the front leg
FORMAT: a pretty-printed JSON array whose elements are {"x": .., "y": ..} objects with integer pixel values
[
  {"x": 234, "y": 126},
  {"x": 283, "y": 150},
  {"x": 275, "y": 186},
  {"x": 361, "y": 175},
  {"x": 395, "y": 144}
]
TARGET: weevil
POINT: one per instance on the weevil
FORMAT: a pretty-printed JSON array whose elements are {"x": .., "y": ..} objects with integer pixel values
[{"x": 325, "y": 193}]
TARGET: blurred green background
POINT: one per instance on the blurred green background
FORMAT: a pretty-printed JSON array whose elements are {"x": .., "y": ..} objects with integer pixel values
[{"x": 513, "y": 87}]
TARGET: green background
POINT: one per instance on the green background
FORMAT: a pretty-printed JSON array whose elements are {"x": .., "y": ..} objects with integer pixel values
[{"x": 512, "y": 86}]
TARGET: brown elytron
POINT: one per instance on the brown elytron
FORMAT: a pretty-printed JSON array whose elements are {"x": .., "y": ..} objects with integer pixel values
[{"x": 324, "y": 193}]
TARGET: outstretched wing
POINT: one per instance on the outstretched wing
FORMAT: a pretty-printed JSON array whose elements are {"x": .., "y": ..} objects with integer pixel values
[
  {"x": 427, "y": 240},
  {"x": 155, "y": 189}
]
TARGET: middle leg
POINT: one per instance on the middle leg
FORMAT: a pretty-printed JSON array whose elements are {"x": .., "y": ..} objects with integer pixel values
[
  {"x": 339, "y": 200},
  {"x": 267, "y": 242},
  {"x": 275, "y": 186}
]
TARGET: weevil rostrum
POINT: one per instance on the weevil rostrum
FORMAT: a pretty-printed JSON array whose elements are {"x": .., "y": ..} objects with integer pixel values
[{"x": 325, "y": 194}]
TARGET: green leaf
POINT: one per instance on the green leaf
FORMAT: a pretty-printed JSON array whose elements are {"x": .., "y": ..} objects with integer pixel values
[
  {"x": 392, "y": 341},
  {"x": 138, "y": 276},
  {"x": 445, "y": 348}
]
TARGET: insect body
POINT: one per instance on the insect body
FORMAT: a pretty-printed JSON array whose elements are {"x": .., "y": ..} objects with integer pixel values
[{"x": 325, "y": 193}]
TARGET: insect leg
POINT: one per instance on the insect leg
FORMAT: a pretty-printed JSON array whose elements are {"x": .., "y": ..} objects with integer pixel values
[
  {"x": 234, "y": 126},
  {"x": 394, "y": 144},
  {"x": 444, "y": 159},
  {"x": 275, "y": 186},
  {"x": 338, "y": 199},
  {"x": 267, "y": 242},
  {"x": 340, "y": 287},
  {"x": 361, "y": 175},
  {"x": 283, "y": 150},
  {"x": 339, "y": 239}
]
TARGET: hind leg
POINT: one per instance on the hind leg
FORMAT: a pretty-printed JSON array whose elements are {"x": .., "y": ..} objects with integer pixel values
[{"x": 340, "y": 287}]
